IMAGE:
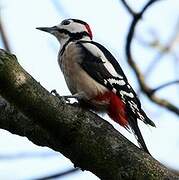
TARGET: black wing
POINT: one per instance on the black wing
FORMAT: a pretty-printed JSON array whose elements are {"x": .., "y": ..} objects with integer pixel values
[
  {"x": 109, "y": 57},
  {"x": 95, "y": 64}
]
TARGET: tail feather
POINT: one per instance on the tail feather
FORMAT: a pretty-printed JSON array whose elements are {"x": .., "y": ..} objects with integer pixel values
[
  {"x": 135, "y": 128},
  {"x": 118, "y": 111},
  {"x": 119, "y": 114},
  {"x": 147, "y": 120}
]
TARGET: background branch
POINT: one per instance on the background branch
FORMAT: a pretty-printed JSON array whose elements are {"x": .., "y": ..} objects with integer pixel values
[
  {"x": 140, "y": 77},
  {"x": 130, "y": 10},
  {"x": 90, "y": 142},
  {"x": 165, "y": 85},
  {"x": 58, "y": 175}
]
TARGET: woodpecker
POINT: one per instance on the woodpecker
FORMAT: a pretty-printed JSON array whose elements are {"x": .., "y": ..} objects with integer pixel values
[{"x": 95, "y": 78}]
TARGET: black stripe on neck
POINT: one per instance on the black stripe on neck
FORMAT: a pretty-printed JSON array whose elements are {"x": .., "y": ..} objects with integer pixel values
[
  {"x": 70, "y": 40},
  {"x": 64, "y": 46},
  {"x": 74, "y": 36},
  {"x": 78, "y": 35}
]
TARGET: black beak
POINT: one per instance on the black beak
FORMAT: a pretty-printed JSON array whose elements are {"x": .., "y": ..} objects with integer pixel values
[{"x": 48, "y": 29}]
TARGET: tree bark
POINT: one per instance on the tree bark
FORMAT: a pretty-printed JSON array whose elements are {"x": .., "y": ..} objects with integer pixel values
[{"x": 89, "y": 141}]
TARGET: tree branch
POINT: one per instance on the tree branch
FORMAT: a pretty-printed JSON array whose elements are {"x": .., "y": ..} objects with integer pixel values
[
  {"x": 90, "y": 142},
  {"x": 165, "y": 85},
  {"x": 126, "y": 5},
  {"x": 140, "y": 77}
]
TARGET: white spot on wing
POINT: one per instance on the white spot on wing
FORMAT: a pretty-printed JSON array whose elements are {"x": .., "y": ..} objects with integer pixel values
[
  {"x": 140, "y": 116},
  {"x": 134, "y": 105},
  {"x": 135, "y": 110},
  {"x": 105, "y": 81},
  {"x": 124, "y": 93},
  {"x": 116, "y": 81}
]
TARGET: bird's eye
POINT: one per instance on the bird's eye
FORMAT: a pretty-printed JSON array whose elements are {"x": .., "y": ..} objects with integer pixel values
[{"x": 65, "y": 22}]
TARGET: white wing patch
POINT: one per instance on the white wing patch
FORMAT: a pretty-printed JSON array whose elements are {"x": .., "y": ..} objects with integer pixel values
[
  {"x": 94, "y": 50},
  {"x": 98, "y": 53}
]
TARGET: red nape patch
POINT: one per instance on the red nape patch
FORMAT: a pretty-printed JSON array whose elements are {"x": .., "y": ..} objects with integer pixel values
[
  {"x": 89, "y": 31},
  {"x": 116, "y": 108}
]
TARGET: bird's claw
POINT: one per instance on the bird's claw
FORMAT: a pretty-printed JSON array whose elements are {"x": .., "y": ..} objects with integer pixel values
[
  {"x": 61, "y": 98},
  {"x": 54, "y": 92}
]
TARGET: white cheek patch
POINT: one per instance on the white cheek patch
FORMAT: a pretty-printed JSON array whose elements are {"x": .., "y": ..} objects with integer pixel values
[
  {"x": 98, "y": 53},
  {"x": 74, "y": 27}
]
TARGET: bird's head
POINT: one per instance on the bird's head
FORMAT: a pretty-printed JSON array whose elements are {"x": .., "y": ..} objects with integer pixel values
[{"x": 73, "y": 29}]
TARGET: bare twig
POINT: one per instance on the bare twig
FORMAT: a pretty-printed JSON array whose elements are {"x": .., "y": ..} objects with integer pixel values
[
  {"x": 163, "y": 49},
  {"x": 130, "y": 10},
  {"x": 58, "y": 175},
  {"x": 27, "y": 155},
  {"x": 165, "y": 85},
  {"x": 140, "y": 77},
  {"x": 176, "y": 70},
  {"x": 158, "y": 57}
]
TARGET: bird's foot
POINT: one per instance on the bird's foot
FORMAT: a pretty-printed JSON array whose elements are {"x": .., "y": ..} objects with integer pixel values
[{"x": 63, "y": 99}]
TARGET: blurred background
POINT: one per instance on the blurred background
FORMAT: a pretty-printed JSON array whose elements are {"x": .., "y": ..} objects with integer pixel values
[{"x": 155, "y": 49}]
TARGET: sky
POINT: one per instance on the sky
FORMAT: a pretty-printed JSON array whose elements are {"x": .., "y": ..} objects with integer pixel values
[{"x": 109, "y": 21}]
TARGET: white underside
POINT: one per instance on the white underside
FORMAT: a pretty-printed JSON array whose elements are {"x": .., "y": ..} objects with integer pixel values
[{"x": 78, "y": 81}]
